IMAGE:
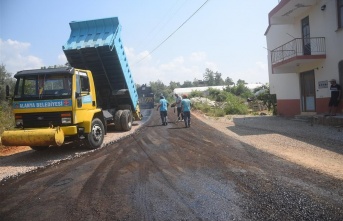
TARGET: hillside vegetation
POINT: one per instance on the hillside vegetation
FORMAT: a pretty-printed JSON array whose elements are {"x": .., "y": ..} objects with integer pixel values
[{"x": 6, "y": 115}]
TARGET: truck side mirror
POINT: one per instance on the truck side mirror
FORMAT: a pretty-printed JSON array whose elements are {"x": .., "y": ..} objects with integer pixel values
[{"x": 7, "y": 92}]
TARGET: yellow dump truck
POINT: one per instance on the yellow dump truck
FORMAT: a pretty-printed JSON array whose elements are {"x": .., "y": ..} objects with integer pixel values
[{"x": 78, "y": 102}]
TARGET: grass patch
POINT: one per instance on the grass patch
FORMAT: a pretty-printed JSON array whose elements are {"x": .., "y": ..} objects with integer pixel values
[{"x": 6, "y": 117}]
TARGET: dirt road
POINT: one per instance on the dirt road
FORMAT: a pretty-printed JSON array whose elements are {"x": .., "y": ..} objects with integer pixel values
[{"x": 174, "y": 173}]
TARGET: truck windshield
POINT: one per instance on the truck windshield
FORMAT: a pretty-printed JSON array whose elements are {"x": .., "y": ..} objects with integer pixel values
[{"x": 43, "y": 87}]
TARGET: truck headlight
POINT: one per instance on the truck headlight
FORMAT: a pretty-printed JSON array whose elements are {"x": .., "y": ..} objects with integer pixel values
[{"x": 66, "y": 120}]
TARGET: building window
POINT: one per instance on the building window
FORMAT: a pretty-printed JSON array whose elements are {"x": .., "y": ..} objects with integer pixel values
[{"x": 340, "y": 13}]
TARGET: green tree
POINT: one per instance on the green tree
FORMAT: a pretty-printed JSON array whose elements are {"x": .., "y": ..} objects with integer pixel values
[
  {"x": 209, "y": 77},
  {"x": 262, "y": 87},
  {"x": 187, "y": 84},
  {"x": 173, "y": 85},
  {"x": 241, "y": 90},
  {"x": 5, "y": 79},
  {"x": 158, "y": 88},
  {"x": 6, "y": 116},
  {"x": 217, "y": 95},
  {"x": 268, "y": 99},
  {"x": 196, "y": 83},
  {"x": 229, "y": 81},
  {"x": 241, "y": 82},
  {"x": 218, "y": 80}
]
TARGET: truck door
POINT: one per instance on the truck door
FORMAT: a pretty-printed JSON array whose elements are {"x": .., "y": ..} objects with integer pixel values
[{"x": 83, "y": 95}]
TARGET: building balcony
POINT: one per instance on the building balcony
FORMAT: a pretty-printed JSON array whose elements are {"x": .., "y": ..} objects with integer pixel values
[{"x": 298, "y": 53}]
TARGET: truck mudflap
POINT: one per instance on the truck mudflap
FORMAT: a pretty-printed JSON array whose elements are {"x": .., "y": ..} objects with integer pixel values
[{"x": 34, "y": 137}]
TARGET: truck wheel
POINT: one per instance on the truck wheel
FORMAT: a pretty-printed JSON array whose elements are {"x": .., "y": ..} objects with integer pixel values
[
  {"x": 96, "y": 135},
  {"x": 39, "y": 148},
  {"x": 117, "y": 124},
  {"x": 126, "y": 120}
]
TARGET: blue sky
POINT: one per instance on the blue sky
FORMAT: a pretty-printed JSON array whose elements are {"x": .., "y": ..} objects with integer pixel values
[{"x": 224, "y": 36}]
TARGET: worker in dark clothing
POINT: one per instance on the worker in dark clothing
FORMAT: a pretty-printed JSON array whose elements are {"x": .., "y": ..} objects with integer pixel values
[{"x": 336, "y": 93}]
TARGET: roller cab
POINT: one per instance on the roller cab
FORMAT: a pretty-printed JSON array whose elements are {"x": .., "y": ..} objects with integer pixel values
[{"x": 51, "y": 105}]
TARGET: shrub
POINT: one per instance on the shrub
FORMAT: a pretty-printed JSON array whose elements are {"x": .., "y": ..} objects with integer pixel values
[
  {"x": 235, "y": 105},
  {"x": 6, "y": 116},
  {"x": 209, "y": 110},
  {"x": 217, "y": 112},
  {"x": 218, "y": 95},
  {"x": 196, "y": 93},
  {"x": 204, "y": 107}
]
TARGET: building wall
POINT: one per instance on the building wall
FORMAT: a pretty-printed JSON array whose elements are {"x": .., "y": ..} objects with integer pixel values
[
  {"x": 291, "y": 107},
  {"x": 286, "y": 86},
  {"x": 324, "y": 23},
  {"x": 288, "y": 107},
  {"x": 322, "y": 105}
]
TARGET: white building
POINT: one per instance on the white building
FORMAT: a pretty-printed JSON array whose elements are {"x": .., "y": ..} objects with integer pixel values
[
  {"x": 305, "y": 51},
  {"x": 188, "y": 90}
]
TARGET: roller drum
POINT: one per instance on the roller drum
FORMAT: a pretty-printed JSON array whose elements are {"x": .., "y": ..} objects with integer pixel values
[{"x": 35, "y": 137}]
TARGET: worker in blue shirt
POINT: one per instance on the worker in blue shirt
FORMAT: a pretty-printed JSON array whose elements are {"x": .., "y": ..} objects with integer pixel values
[
  {"x": 186, "y": 109},
  {"x": 163, "y": 105}
]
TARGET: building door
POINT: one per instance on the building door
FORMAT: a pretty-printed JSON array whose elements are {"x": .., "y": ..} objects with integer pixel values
[
  {"x": 308, "y": 92},
  {"x": 305, "y": 26}
]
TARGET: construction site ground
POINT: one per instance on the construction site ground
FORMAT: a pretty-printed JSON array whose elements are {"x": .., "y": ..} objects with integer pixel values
[{"x": 230, "y": 168}]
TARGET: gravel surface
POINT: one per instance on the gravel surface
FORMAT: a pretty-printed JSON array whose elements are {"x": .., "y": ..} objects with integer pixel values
[
  {"x": 310, "y": 145},
  {"x": 255, "y": 168},
  {"x": 314, "y": 146}
]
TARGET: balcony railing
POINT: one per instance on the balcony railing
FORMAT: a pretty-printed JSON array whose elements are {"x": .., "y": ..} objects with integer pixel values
[{"x": 298, "y": 47}]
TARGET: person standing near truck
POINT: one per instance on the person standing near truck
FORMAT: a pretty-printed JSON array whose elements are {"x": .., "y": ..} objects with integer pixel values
[
  {"x": 186, "y": 109},
  {"x": 163, "y": 105}
]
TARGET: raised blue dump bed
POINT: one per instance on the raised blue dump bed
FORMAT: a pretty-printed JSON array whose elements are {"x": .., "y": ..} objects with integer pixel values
[{"x": 96, "y": 45}]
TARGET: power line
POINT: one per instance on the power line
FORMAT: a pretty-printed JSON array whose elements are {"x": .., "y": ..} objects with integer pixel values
[
  {"x": 172, "y": 33},
  {"x": 163, "y": 23}
]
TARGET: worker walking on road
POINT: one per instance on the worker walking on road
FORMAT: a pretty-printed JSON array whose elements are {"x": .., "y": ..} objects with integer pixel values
[
  {"x": 186, "y": 109},
  {"x": 163, "y": 105},
  {"x": 178, "y": 100}
]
